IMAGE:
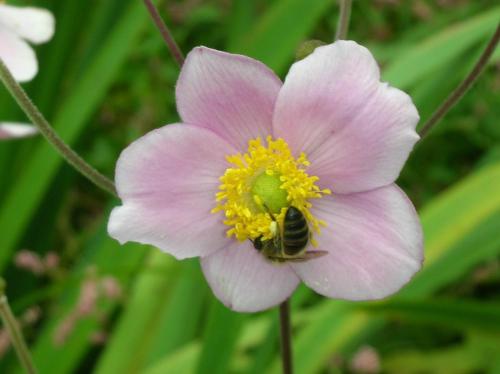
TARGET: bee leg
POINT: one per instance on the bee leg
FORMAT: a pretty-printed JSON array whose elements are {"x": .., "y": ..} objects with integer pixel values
[{"x": 257, "y": 243}]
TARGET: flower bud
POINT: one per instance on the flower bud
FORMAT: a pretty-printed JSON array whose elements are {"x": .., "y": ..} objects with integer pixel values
[{"x": 306, "y": 48}]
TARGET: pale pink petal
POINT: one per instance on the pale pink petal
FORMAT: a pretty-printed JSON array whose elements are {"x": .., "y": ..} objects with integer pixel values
[
  {"x": 356, "y": 131},
  {"x": 33, "y": 24},
  {"x": 232, "y": 95},
  {"x": 244, "y": 281},
  {"x": 18, "y": 56},
  {"x": 11, "y": 130},
  {"x": 374, "y": 240},
  {"x": 167, "y": 181}
]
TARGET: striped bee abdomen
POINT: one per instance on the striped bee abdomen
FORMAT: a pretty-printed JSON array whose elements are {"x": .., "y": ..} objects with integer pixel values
[{"x": 295, "y": 232}]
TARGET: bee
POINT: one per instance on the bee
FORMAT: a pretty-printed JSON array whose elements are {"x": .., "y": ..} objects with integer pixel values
[{"x": 290, "y": 243}]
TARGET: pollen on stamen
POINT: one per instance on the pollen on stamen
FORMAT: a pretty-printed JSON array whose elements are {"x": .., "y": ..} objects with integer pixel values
[{"x": 247, "y": 212}]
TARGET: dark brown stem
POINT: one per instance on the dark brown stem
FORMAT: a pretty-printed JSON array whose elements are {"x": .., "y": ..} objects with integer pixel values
[
  {"x": 286, "y": 338},
  {"x": 463, "y": 87},
  {"x": 165, "y": 33}
]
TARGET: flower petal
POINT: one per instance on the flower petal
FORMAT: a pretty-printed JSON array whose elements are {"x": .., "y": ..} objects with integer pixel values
[
  {"x": 168, "y": 180},
  {"x": 33, "y": 24},
  {"x": 244, "y": 281},
  {"x": 11, "y": 130},
  {"x": 356, "y": 131},
  {"x": 374, "y": 240},
  {"x": 17, "y": 56},
  {"x": 232, "y": 95}
]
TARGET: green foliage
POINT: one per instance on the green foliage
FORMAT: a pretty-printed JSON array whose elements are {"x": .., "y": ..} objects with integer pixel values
[
  {"x": 463, "y": 314},
  {"x": 74, "y": 112},
  {"x": 106, "y": 78},
  {"x": 416, "y": 62}
]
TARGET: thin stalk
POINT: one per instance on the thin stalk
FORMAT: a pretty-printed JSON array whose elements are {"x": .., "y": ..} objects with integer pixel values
[
  {"x": 15, "y": 334},
  {"x": 48, "y": 132},
  {"x": 463, "y": 87},
  {"x": 165, "y": 32},
  {"x": 286, "y": 337},
  {"x": 345, "y": 16}
]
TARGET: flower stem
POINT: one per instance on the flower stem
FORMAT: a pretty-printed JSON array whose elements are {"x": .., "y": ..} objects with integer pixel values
[
  {"x": 286, "y": 338},
  {"x": 14, "y": 331},
  {"x": 48, "y": 132},
  {"x": 165, "y": 33},
  {"x": 463, "y": 87},
  {"x": 345, "y": 15}
]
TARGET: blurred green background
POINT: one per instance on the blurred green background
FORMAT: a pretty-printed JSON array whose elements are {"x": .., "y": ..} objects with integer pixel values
[{"x": 106, "y": 78}]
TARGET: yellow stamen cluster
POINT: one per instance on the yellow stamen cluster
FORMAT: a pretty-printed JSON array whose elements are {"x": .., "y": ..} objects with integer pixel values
[{"x": 248, "y": 212}]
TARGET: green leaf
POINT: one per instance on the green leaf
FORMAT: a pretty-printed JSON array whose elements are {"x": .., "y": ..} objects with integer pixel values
[
  {"x": 268, "y": 42},
  {"x": 182, "y": 361},
  {"x": 219, "y": 341},
  {"x": 139, "y": 322},
  {"x": 240, "y": 20},
  {"x": 414, "y": 64},
  {"x": 182, "y": 317},
  {"x": 476, "y": 354},
  {"x": 463, "y": 314}
]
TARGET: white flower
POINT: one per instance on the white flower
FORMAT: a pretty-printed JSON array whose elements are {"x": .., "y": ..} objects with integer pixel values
[
  {"x": 9, "y": 130},
  {"x": 19, "y": 25}
]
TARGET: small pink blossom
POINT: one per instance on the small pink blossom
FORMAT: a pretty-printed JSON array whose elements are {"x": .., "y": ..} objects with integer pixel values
[
  {"x": 93, "y": 290},
  {"x": 89, "y": 293},
  {"x": 31, "y": 315},
  {"x": 18, "y": 26},
  {"x": 98, "y": 337},
  {"x": 4, "y": 342},
  {"x": 366, "y": 360},
  {"x": 337, "y": 139},
  {"x": 51, "y": 261},
  {"x": 111, "y": 288},
  {"x": 64, "y": 329},
  {"x": 30, "y": 261}
]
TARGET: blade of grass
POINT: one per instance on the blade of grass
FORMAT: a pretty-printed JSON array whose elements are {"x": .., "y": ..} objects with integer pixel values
[
  {"x": 268, "y": 43},
  {"x": 181, "y": 319},
  {"x": 148, "y": 296},
  {"x": 161, "y": 324},
  {"x": 219, "y": 340},
  {"x": 414, "y": 64},
  {"x": 463, "y": 314},
  {"x": 182, "y": 361}
]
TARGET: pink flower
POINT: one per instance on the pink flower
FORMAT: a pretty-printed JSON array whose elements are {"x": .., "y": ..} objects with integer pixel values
[
  {"x": 30, "y": 261},
  {"x": 10, "y": 130},
  {"x": 17, "y": 27},
  {"x": 337, "y": 139}
]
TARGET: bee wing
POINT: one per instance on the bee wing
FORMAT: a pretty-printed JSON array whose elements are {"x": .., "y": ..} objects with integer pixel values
[
  {"x": 304, "y": 257},
  {"x": 315, "y": 254}
]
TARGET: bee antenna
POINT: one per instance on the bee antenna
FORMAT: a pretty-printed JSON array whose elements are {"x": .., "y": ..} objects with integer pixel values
[{"x": 269, "y": 211}]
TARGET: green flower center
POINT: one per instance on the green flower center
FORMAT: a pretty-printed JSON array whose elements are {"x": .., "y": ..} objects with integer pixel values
[{"x": 268, "y": 190}]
